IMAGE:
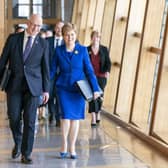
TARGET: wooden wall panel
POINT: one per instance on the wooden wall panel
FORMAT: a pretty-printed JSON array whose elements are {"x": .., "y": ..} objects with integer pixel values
[
  {"x": 147, "y": 64},
  {"x": 77, "y": 14},
  {"x": 90, "y": 21},
  {"x": 116, "y": 49},
  {"x": 84, "y": 17},
  {"x": 2, "y": 24},
  {"x": 107, "y": 22},
  {"x": 130, "y": 58},
  {"x": 2, "y": 35},
  {"x": 74, "y": 12},
  {"x": 99, "y": 15}
]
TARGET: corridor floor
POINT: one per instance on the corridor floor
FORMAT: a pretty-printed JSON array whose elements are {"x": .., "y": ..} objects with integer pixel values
[{"x": 107, "y": 146}]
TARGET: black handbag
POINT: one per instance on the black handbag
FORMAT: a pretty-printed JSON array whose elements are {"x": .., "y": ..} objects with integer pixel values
[{"x": 5, "y": 78}]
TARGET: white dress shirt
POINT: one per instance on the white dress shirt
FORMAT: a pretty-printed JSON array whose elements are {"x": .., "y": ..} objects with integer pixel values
[{"x": 26, "y": 35}]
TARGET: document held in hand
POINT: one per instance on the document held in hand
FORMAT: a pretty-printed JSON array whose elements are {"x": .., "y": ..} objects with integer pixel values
[{"x": 86, "y": 89}]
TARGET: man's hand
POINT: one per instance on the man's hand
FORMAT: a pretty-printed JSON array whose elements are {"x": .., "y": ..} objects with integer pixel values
[{"x": 45, "y": 97}]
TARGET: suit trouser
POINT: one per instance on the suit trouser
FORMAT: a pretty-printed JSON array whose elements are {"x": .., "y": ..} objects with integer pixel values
[
  {"x": 53, "y": 106},
  {"x": 22, "y": 106}
]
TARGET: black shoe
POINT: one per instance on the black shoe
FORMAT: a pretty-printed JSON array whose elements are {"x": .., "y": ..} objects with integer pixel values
[
  {"x": 51, "y": 119},
  {"x": 26, "y": 160},
  {"x": 97, "y": 121},
  {"x": 58, "y": 123},
  {"x": 93, "y": 124},
  {"x": 15, "y": 152},
  {"x": 52, "y": 123}
]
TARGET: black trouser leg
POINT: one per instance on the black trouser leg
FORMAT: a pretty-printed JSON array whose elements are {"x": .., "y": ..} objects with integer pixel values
[
  {"x": 30, "y": 105},
  {"x": 14, "y": 105}
]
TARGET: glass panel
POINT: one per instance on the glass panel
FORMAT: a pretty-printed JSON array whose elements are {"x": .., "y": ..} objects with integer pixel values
[
  {"x": 21, "y": 8},
  {"x": 37, "y": 9},
  {"x": 47, "y": 8},
  {"x": 23, "y": 11},
  {"x": 23, "y": 1},
  {"x": 161, "y": 124},
  {"x": 37, "y": 1}
]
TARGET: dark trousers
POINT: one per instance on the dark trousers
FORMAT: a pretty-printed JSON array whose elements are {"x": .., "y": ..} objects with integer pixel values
[
  {"x": 53, "y": 106},
  {"x": 22, "y": 107}
]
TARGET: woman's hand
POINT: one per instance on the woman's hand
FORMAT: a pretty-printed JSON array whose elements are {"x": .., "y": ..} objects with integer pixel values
[
  {"x": 107, "y": 74},
  {"x": 96, "y": 95}
]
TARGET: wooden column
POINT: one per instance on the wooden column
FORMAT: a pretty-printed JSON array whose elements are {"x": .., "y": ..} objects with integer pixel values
[
  {"x": 106, "y": 31},
  {"x": 130, "y": 58},
  {"x": 116, "y": 49},
  {"x": 84, "y": 16},
  {"x": 2, "y": 35},
  {"x": 2, "y": 23},
  {"x": 99, "y": 15},
  {"x": 90, "y": 21}
]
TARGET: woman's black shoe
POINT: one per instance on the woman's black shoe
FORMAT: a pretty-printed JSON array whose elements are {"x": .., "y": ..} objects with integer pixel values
[{"x": 97, "y": 121}]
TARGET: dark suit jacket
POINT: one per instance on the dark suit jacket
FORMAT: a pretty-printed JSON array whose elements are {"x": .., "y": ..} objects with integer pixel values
[
  {"x": 35, "y": 69},
  {"x": 51, "y": 48},
  {"x": 105, "y": 63}
]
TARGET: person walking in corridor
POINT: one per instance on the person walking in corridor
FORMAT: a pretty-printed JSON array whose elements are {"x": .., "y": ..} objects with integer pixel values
[{"x": 27, "y": 56}]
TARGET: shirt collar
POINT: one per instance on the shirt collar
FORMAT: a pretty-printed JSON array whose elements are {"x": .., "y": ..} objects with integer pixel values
[
  {"x": 27, "y": 35},
  {"x": 59, "y": 38}
]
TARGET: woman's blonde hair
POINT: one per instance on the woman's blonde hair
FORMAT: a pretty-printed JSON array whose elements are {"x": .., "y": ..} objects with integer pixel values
[{"x": 68, "y": 27}]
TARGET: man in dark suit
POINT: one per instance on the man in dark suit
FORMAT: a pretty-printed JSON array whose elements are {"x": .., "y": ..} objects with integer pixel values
[
  {"x": 27, "y": 56},
  {"x": 53, "y": 107}
]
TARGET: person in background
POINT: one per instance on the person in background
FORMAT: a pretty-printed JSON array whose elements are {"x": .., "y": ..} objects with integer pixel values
[
  {"x": 42, "y": 33},
  {"x": 27, "y": 54},
  {"x": 53, "y": 107},
  {"x": 49, "y": 33},
  {"x": 74, "y": 64},
  {"x": 99, "y": 56},
  {"x": 19, "y": 29}
]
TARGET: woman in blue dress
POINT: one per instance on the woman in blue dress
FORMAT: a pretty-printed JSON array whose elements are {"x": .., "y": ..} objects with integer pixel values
[{"x": 73, "y": 63}]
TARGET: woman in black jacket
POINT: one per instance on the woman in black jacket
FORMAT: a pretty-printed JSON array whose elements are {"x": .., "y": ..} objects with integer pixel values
[{"x": 99, "y": 56}]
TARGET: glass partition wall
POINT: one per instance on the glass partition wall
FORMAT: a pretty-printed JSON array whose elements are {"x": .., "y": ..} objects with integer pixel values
[
  {"x": 17, "y": 11},
  {"x": 137, "y": 94},
  {"x": 159, "y": 123}
]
